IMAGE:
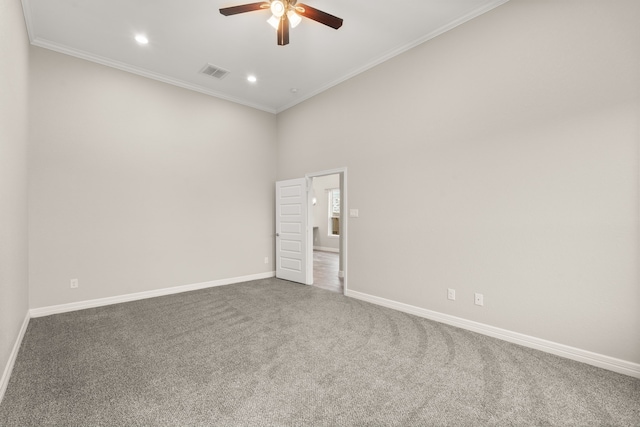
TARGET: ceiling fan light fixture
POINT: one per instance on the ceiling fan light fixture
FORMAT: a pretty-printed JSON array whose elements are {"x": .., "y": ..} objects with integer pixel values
[
  {"x": 294, "y": 18},
  {"x": 277, "y": 8},
  {"x": 287, "y": 14},
  {"x": 274, "y": 22}
]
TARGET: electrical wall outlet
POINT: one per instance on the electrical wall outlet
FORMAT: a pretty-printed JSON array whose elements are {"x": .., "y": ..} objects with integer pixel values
[
  {"x": 451, "y": 294},
  {"x": 479, "y": 299},
  {"x": 74, "y": 283},
  {"x": 266, "y": 260}
]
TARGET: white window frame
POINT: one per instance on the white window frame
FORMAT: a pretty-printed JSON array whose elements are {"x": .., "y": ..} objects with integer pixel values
[{"x": 330, "y": 212}]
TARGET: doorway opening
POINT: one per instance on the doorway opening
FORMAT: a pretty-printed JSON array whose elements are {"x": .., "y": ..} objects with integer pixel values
[{"x": 328, "y": 219}]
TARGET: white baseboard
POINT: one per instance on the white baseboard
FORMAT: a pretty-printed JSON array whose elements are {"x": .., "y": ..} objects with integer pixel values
[
  {"x": 326, "y": 249},
  {"x": 585, "y": 356},
  {"x": 6, "y": 374},
  {"x": 81, "y": 305}
]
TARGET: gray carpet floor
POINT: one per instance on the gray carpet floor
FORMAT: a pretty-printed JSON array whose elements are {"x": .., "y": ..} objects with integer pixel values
[{"x": 274, "y": 353}]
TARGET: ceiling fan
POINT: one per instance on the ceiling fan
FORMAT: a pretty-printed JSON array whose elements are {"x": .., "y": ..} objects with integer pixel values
[{"x": 285, "y": 14}]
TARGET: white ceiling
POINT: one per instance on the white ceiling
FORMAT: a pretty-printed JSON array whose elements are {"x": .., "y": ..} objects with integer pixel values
[{"x": 185, "y": 35}]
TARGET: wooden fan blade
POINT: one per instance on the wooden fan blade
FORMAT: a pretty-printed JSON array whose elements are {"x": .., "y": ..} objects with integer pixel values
[
  {"x": 234, "y": 10},
  {"x": 318, "y": 16},
  {"x": 283, "y": 31}
]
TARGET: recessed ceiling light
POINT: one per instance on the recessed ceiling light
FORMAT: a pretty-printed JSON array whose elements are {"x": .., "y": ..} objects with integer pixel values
[
  {"x": 142, "y": 39},
  {"x": 252, "y": 79},
  {"x": 294, "y": 90}
]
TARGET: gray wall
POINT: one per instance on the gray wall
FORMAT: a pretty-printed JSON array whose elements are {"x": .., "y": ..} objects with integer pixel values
[
  {"x": 14, "y": 48},
  {"x": 502, "y": 158},
  {"x": 506, "y": 151},
  {"x": 137, "y": 185}
]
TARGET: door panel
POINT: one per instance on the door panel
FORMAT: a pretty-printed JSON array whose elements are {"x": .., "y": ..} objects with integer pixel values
[{"x": 293, "y": 256}]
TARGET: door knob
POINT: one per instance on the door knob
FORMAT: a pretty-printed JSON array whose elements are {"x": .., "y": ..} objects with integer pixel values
[{"x": 277, "y": 234}]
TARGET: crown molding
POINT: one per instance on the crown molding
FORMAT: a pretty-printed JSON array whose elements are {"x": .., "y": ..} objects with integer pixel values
[
  {"x": 46, "y": 44},
  {"x": 397, "y": 51},
  {"x": 40, "y": 42}
]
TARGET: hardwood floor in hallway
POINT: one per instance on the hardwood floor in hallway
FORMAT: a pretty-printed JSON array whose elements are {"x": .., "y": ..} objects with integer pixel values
[{"x": 325, "y": 271}]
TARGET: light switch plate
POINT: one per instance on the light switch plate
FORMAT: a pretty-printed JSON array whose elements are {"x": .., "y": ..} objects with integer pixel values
[{"x": 353, "y": 213}]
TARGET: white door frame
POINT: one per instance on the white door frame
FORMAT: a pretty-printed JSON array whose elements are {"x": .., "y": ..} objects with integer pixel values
[{"x": 343, "y": 217}]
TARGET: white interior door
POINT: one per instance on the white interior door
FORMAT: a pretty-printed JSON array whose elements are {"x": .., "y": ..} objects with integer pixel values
[{"x": 294, "y": 258}]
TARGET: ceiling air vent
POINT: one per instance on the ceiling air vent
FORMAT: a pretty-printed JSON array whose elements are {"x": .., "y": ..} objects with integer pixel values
[{"x": 213, "y": 71}]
